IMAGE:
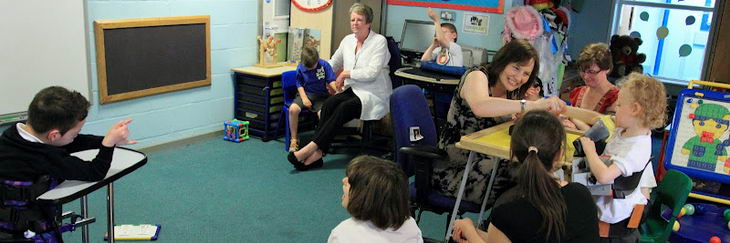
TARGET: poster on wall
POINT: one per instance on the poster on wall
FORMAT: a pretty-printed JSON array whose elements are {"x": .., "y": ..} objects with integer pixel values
[
  {"x": 476, "y": 23},
  {"x": 488, "y": 6}
]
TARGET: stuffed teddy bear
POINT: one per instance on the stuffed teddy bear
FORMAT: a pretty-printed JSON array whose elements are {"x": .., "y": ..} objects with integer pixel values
[{"x": 624, "y": 50}]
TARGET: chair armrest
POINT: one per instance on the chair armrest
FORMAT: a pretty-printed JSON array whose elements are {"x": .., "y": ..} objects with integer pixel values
[
  {"x": 424, "y": 151},
  {"x": 423, "y": 156}
]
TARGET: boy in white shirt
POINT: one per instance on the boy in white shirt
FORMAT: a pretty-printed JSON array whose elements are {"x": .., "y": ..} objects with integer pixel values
[
  {"x": 443, "y": 49},
  {"x": 641, "y": 106}
]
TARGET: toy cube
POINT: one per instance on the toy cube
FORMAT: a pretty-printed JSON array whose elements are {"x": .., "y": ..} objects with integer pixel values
[{"x": 235, "y": 130}]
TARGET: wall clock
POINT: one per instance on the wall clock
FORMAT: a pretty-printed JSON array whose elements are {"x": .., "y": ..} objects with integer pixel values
[{"x": 312, "y": 5}]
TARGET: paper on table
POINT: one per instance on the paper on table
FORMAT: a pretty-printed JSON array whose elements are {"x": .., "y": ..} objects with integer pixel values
[{"x": 128, "y": 230}]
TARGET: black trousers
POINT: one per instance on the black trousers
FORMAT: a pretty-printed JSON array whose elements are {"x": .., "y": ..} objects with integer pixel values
[{"x": 336, "y": 111}]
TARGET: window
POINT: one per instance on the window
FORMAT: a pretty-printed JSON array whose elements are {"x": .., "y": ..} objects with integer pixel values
[
  {"x": 281, "y": 9},
  {"x": 675, "y": 34}
]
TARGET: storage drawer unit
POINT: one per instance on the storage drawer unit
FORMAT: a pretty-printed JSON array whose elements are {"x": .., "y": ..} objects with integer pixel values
[{"x": 258, "y": 99}]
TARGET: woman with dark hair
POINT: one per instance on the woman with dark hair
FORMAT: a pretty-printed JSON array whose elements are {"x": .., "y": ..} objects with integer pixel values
[
  {"x": 487, "y": 96},
  {"x": 375, "y": 193},
  {"x": 542, "y": 207}
]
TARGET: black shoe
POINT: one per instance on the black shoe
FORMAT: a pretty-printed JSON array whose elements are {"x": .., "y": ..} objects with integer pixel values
[
  {"x": 296, "y": 163},
  {"x": 317, "y": 164}
]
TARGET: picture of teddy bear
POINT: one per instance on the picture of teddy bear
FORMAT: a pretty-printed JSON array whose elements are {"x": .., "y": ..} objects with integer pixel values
[
  {"x": 268, "y": 47},
  {"x": 626, "y": 60}
]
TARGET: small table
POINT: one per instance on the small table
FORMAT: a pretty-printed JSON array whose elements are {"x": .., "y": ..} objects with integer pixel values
[
  {"x": 123, "y": 162},
  {"x": 494, "y": 141},
  {"x": 429, "y": 80}
]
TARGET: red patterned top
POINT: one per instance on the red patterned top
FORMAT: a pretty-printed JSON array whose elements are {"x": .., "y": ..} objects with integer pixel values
[{"x": 576, "y": 98}]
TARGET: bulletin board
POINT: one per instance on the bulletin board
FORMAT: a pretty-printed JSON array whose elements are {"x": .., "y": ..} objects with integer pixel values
[
  {"x": 699, "y": 139},
  {"x": 141, "y": 57},
  {"x": 489, "y": 6}
]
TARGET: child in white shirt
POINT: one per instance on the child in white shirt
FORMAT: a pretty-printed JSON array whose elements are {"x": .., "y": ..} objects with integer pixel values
[
  {"x": 641, "y": 106},
  {"x": 443, "y": 49},
  {"x": 375, "y": 193}
]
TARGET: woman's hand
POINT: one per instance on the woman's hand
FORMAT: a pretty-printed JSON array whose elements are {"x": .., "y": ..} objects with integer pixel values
[
  {"x": 553, "y": 105},
  {"x": 340, "y": 81}
]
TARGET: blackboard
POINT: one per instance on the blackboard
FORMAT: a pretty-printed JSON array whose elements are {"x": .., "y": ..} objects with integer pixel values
[{"x": 141, "y": 57}]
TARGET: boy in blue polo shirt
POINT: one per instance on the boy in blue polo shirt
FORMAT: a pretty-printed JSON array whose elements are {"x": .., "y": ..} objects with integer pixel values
[{"x": 313, "y": 76}]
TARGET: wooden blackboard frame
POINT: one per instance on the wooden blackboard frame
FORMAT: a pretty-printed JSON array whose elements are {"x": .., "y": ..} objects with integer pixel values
[{"x": 100, "y": 26}]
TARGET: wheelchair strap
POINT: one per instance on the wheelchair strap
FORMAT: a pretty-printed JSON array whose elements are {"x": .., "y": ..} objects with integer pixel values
[
  {"x": 18, "y": 212},
  {"x": 624, "y": 185},
  {"x": 20, "y": 193}
]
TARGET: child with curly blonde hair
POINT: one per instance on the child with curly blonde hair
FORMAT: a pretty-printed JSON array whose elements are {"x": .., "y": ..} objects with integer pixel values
[{"x": 641, "y": 106}]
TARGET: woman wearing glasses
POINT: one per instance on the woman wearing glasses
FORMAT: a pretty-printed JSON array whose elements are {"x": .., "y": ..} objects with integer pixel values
[{"x": 598, "y": 94}]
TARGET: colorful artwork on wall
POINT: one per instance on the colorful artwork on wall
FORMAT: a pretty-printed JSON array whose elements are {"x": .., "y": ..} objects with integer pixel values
[{"x": 489, "y": 6}]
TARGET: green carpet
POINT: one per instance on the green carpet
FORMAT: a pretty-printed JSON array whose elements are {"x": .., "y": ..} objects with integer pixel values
[{"x": 218, "y": 191}]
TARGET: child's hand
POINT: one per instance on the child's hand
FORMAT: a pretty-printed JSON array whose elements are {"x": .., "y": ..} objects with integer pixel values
[
  {"x": 460, "y": 227},
  {"x": 435, "y": 42},
  {"x": 118, "y": 134},
  {"x": 567, "y": 122},
  {"x": 307, "y": 103},
  {"x": 331, "y": 89},
  {"x": 589, "y": 147},
  {"x": 431, "y": 14}
]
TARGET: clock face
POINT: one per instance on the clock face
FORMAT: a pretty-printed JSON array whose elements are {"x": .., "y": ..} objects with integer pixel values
[{"x": 312, "y": 5}]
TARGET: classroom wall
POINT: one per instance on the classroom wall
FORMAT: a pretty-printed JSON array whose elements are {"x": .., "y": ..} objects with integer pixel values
[
  {"x": 182, "y": 114},
  {"x": 591, "y": 24},
  {"x": 397, "y": 15}
]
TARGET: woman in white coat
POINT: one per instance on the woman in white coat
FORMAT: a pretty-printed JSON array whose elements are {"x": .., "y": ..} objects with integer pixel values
[{"x": 364, "y": 86}]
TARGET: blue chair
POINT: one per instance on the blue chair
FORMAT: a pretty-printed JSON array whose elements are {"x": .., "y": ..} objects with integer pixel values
[
  {"x": 395, "y": 62},
  {"x": 289, "y": 86},
  {"x": 409, "y": 111}
]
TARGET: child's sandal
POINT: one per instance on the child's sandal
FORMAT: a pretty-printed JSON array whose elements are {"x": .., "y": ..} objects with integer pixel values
[{"x": 293, "y": 145}]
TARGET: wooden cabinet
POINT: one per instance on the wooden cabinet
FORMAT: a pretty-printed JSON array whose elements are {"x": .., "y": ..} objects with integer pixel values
[{"x": 258, "y": 98}]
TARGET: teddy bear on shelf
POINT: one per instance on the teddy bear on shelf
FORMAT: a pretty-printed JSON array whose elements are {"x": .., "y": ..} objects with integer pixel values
[{"x": 626, "y": 60}]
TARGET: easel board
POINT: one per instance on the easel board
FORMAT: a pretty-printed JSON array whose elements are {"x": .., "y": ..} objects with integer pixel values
[{"x": 685, "y": 128}]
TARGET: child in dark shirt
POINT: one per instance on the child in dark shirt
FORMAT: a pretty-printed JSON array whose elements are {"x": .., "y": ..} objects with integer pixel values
[
  {"x": 36, "y": 156},
  {"x": 313, "y": 77},
  {"x": 542, "y": 207}
]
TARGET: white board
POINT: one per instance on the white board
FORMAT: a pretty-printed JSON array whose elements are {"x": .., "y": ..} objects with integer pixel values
[{"x": 42, "y": 43}]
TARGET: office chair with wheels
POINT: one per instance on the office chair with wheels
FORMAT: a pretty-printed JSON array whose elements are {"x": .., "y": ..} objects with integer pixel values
[
  {"x": 415, "y": 153},
  {"x": 671, "y": 193}
]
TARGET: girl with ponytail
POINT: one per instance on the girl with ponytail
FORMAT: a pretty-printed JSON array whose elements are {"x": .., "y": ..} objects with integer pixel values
[{"x": 542, "y": 207}]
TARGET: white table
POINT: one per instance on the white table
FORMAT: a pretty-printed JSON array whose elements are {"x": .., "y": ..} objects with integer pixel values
[{"x": 124, "y": 162}]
